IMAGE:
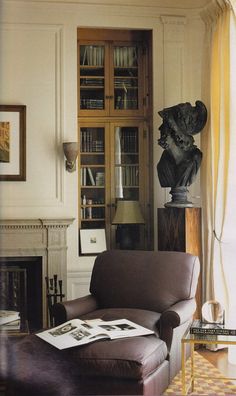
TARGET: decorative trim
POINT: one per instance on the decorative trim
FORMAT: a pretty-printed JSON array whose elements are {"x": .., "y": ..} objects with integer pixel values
[
  {"x": 36, "y": 223},
  {"x": 173, "y": 20}
]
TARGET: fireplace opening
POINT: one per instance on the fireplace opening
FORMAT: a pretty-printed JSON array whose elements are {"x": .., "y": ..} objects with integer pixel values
[{"x": 29, "y": 289}]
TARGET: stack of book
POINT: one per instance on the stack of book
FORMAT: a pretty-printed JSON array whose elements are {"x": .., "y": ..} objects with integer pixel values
[
  {"x": 9, "y": 320},
  {"x": 100, "y": 179},
  {"x": 200, "y": 328}
]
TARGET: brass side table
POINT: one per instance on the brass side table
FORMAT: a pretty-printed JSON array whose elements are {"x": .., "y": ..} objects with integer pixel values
[{"x": 196, "y": 339}]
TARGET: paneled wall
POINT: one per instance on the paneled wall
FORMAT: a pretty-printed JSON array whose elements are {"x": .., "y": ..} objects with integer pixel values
[{"x": 38, "y": 69}]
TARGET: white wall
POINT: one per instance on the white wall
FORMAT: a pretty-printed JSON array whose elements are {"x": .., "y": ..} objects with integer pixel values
[{"x": 38, "y": 69}]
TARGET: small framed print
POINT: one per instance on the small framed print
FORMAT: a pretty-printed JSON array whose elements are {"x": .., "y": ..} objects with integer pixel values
[
  {"x": 92, "y": 241},
  {"x": 12, "y": 143}
]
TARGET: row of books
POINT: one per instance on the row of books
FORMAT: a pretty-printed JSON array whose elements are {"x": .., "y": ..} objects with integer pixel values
[
  {"x": 125, "y": 82},
  {"x": 125, "y": 102},
  {"x": 88, "y": 178},
  {"x": 125, "y": 57},
  {"x": 90, "y": 82},
  {"x": 91, "y": 104},
  {"x": 92, "y": 55},
  {"x": 88, "y": 143},
  {"x": 92, "y": 213},
  {"x": 200, "y": 328},
  {"x": 129, "y": 141},
  {"x": 128, "y": 175}
]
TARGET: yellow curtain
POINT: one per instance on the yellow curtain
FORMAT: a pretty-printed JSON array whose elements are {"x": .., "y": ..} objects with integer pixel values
[{"x": 218, "y": 173}]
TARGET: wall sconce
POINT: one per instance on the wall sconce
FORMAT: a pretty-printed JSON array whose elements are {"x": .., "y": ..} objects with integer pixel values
[
  {"x": 128, "y": 215},
  {"x": 71, "y": 150}
]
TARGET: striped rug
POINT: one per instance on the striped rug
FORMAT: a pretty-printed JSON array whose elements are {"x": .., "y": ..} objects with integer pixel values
[{"x": 212, "y": 385}]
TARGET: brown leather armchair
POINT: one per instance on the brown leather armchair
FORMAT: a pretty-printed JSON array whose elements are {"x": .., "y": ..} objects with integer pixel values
[{"x": 153, "y": 289}]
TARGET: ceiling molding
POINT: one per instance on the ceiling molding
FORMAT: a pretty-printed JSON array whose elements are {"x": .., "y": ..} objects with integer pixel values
[{"x": 172, "y": 4}]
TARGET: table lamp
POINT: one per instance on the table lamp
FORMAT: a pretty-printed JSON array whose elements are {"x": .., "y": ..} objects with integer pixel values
[{"x": 128, "y": 215}]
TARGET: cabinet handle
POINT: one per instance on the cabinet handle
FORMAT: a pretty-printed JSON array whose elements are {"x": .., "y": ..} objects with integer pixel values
[{"x": 111, "y": 205}]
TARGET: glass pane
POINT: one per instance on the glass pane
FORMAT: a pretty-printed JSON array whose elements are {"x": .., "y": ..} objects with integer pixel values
[
  {"x": 126, "y": 163},
  {"x": 126, "y": 77},
  {"x": 92, "y": 82},
  {"x": 92, "y": 177}
]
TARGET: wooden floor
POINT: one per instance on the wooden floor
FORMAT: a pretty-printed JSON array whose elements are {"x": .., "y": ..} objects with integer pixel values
[{"x": 220, "y": 360}]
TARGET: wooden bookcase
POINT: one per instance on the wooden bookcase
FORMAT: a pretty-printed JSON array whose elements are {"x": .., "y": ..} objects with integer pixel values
[
  {"x": 113, "y": 127},
  {"x": 179, "y": 229}
]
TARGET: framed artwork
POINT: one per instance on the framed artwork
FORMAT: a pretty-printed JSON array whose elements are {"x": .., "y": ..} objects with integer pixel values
[
  {"x": 92, "y": 241},
  {"x": 12, "y": 143}
]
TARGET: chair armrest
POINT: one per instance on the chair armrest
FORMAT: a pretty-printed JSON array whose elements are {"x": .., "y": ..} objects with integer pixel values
[
  {"x": 67, "y": 310},
  {"x": 175, "y": 316}
]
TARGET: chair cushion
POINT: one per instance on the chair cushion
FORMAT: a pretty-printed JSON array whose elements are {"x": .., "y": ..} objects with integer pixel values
[{"x": 134, "y": 357}]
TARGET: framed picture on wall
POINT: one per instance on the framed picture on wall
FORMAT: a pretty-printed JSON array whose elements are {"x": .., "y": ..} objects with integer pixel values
[
  {"x": 92, "y": 241},
  {"x": 12, "y": 143}
]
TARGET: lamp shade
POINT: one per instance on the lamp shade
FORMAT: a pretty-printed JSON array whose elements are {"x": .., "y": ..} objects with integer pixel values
[
  {"x": 128, "y": 212},
  {"x": 71, "y": 150}
]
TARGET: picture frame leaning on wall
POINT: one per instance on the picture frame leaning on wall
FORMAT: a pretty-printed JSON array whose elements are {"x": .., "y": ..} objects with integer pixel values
[{"x": 92, "y": 241}]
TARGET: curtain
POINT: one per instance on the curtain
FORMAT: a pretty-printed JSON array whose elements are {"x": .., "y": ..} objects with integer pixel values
[{"x": 218, "y": 173}]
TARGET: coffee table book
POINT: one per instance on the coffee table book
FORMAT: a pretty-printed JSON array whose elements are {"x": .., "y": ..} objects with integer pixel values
[
  {"x": 199, "y": 327},
  {"x": 76, "y": 332}
]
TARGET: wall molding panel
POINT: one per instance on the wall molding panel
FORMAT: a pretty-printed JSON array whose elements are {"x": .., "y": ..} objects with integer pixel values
[
  {"x": 78, "y": 284},
  {"x": 40, "y": 77}
]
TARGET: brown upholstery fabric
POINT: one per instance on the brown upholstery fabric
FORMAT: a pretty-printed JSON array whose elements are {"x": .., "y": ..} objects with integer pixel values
[
  {"x": 135, "y": 357},
  {"x": 153, "y": 281}
]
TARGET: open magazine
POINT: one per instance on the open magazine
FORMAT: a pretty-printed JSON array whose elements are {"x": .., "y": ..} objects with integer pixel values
[{"x": 77, "y": 332}]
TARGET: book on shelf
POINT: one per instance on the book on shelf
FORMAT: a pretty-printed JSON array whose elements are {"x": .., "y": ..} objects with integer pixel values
[
  {"x": 92, "y": 55},
  {"x": 78, "y": 332},
  {"x": 201, "y": 328},
  {"x": 86, "y": 177},
  {"x": 91, "y": 178},
  {"x": 125, "y": 56},
  {"x": 8, "y": 316}
]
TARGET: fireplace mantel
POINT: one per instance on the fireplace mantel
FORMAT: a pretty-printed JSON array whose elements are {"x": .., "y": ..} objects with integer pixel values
[{"x": 46, "y": 238}]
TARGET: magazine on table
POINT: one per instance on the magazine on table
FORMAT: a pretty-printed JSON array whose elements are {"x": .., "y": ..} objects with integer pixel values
[{"x": 77, "y": 332}]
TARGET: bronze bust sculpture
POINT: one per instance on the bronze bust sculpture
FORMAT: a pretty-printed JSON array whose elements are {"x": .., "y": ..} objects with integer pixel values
[{"x": 181, "y": 158}]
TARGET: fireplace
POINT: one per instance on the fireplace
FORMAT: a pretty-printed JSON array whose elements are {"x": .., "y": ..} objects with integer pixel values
[
  {"x": 39, "y": 248},
  {"x": 27, "y": 288}
]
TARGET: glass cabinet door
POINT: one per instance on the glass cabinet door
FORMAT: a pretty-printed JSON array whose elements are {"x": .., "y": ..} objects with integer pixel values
[
  {"x": 128, "y": 174},
  {"x": 126, "y": 84},
  {"x": 126, "y": 153},
  {"x": 92, "y": 177},
  {"x": 92, "y": 81}
]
